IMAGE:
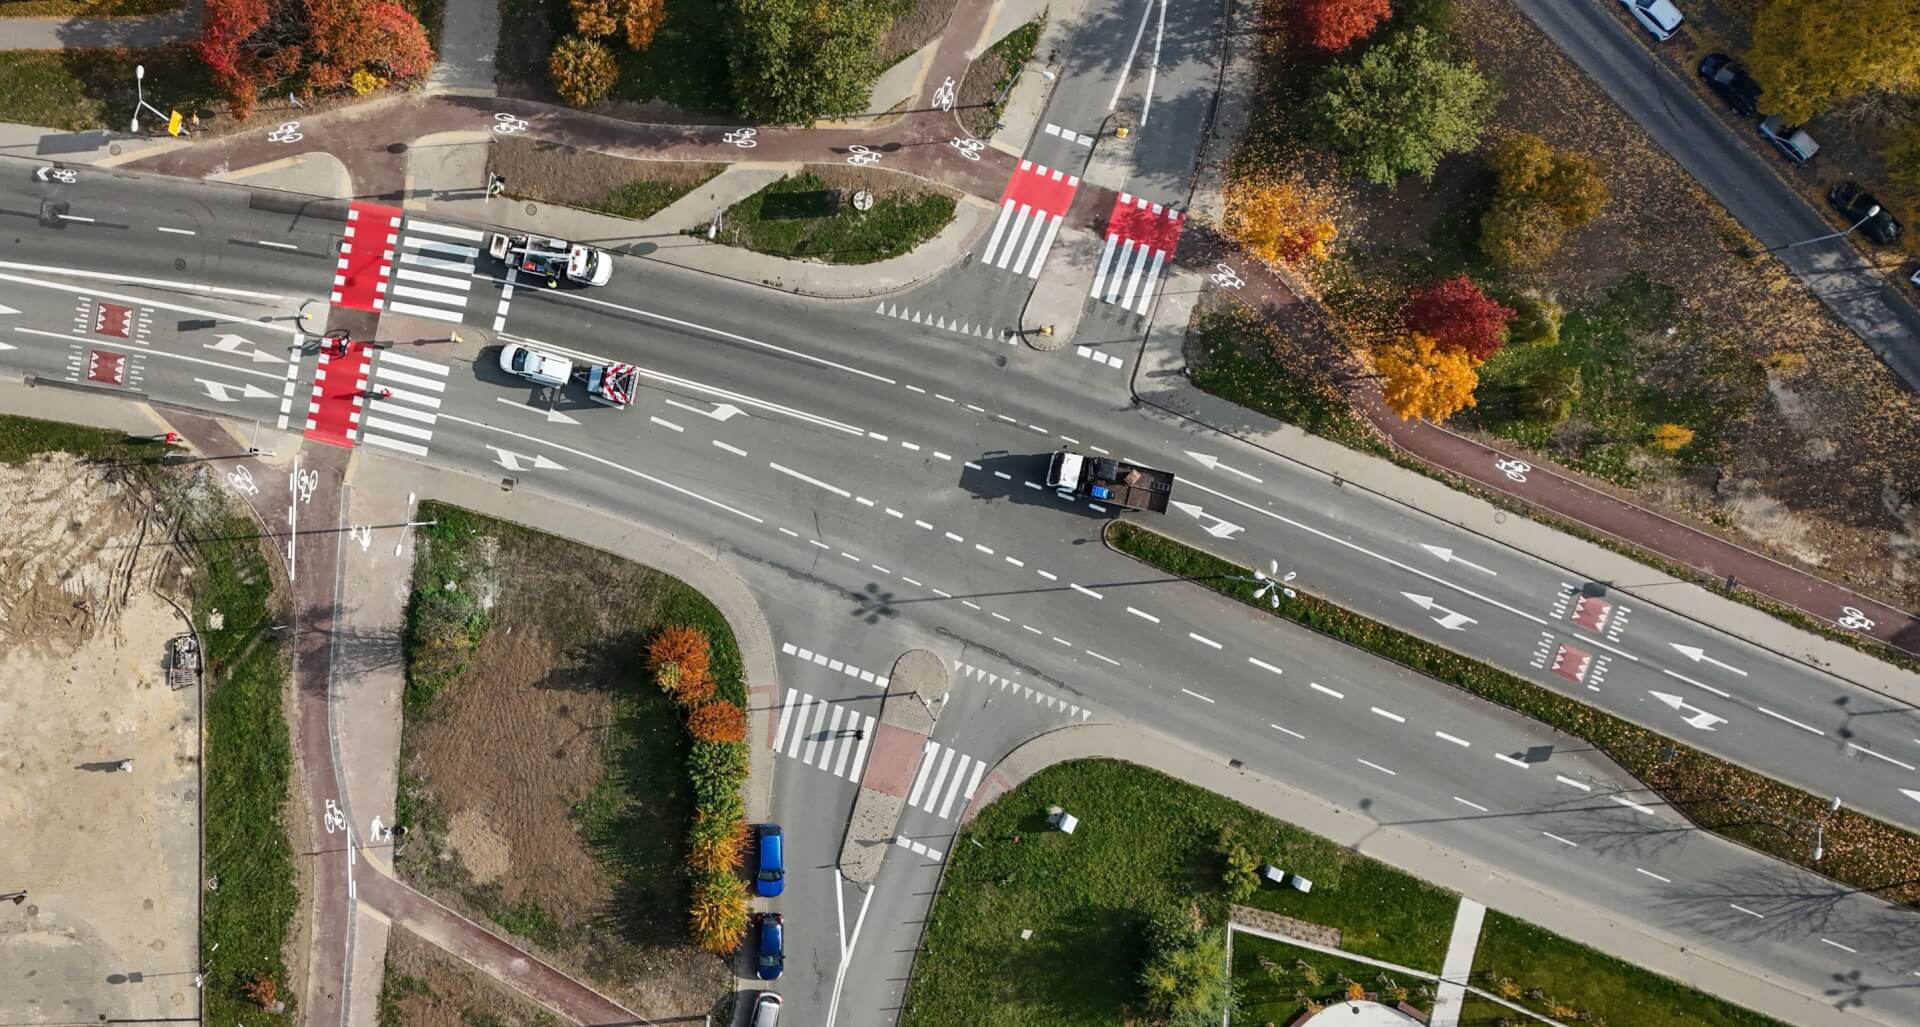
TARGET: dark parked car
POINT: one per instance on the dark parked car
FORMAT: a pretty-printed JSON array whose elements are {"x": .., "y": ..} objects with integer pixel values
[
  {"x": 771, "y": 877},
  {"x": 1727, "y": 77},
  {"x": 1853, "y": 203},
  {"x": 773, "y": 952}
]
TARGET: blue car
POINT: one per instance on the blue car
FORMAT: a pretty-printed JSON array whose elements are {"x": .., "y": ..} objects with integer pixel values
[
  {"x": 773, "y": 953},
  {"x": 772, "y": 877}
]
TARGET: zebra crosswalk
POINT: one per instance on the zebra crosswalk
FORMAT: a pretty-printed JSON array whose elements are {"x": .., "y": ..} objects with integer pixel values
[
  {"x": 937, "y": 784},
  {"x": 434, "y": 271},
  {"x": 403, "y": 402},
  {"x": 824, "y": 735}
]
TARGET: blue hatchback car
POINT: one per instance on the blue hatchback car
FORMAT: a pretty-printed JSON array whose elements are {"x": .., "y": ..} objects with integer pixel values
[
  {"x": 771, "y": 879},
  {"x": 773, "y": 953}
]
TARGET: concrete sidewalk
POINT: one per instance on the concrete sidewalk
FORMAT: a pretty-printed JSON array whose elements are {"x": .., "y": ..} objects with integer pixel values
[
  {"x": 1457, "y": 968},
  {"x": 88, "y": 33}
]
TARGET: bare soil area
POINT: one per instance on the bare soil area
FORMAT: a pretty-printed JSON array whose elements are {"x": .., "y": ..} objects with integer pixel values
[
  {"x": 425, "y": 987},
  {"x": 552, "y": 173},
  {"x": 110, "y": 857},
  {"x": 546, "y": 781}
]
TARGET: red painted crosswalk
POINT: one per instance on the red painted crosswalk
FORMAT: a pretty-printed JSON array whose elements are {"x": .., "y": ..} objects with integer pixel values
[
  {"x": 1031, "y": 206},
  {"x": 1141, "y": 239},
  {"x": 339, "y": 393},
  {"x": 366, "y": 256}
]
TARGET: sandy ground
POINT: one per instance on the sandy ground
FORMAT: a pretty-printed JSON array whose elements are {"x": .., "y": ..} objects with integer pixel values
[{"x": 110, "y": 859}]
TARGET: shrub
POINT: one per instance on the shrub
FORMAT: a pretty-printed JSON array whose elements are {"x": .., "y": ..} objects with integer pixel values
[
  {"x": 1185, "y": 980},
  {"x": 364, "y": 82},
  {"x": 718, "y": 912},
  {"x": 718, "y": 722},
  {"x": 716, "y": 843},
  {"x": 1568, "y": 183},
  {"x": 582, "y": 71},
  {"x": 683, "y": 646},
  {"x": 717, "y": 769},
  {"x": 691, "y": 692},
  {"x": 593, "y": 19},
  {"x": 1536, "y": 321},
  {"x": 1333, "y": 25},
  {"x": 1519, "y": 234},
  {"x": 642, "y": 21},
  {"x": 1356, "y": 991},
  {"x": 1671, "y": 437},
  {"x": 1241, "y": 875}
]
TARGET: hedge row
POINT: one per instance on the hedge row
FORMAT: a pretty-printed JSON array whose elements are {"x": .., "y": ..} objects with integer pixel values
[{"x": 1732, "y": 801}]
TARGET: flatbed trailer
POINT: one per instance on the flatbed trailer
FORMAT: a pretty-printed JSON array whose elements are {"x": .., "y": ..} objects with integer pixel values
[{"x": 1115, "y": 482}]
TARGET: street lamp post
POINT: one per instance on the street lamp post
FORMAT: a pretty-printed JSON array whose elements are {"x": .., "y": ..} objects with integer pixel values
[
  {"x": 140, "y": 92},
  {"x": 1820, "y": 830},
  {"x": 1864, "y": 218}
]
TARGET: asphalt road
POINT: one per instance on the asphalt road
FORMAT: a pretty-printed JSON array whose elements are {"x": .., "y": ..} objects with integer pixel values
[
  {"x": 860, "y": 491},
  {"x": 1751, "y": 190}
]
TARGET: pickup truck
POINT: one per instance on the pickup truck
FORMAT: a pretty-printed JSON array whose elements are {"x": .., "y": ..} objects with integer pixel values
[
  {"x": 555, "y": 260},
  {"x": 1113, "y": 482}
]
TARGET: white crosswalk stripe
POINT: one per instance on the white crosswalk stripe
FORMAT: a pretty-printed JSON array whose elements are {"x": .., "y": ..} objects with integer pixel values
[
  {"x": 824, "y": 735},
  {"x": 434, "y": 276},
  {"x": 946, "y": 781},
  {"x": 404, "y": 404}
]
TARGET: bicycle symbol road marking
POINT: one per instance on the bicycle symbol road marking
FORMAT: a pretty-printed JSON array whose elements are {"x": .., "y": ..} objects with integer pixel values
[
  {"x": 335, "y": 819},
  {"x": 287, "y": 132},
  {"x": 363, "y": 534},
  {"x": 309, "y": 481},
  {"x": 744, "y": 138},
  {"x": 943, "y": 97},
  {"x": 968, "y": 146},
  {"x": 65, "y": 175},
  {"x": 1227, "y": 277},
  {"x": 1513, "y": 469},
  {"x": 1855, "y": 619},
  {"x": 242, "y": 481},
  {"x": 860, "y": 155},
  {"x": 507, "y": 124}
]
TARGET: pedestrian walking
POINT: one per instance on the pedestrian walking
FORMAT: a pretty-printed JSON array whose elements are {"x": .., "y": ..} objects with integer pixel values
[{"x": 124, "y": 766}]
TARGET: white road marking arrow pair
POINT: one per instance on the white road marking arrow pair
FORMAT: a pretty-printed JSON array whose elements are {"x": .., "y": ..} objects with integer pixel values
[
  {"x": 1220, "y": 528},
  {"x": 1452, "y": 620},
  {"x": 720, "y": 412},
  {"x": 1446, "y": 556},
  {"x": 224, "y": 393},
  {"x": 553, "y": 416},
  {"x": 1212, "y": 463},
  {"x": 1700, "y": 718},
  {"x": 511, "y": 461},
  {"x": 1699, "y": 655}
]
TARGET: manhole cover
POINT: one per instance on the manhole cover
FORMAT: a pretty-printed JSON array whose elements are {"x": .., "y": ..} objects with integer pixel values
[
  {"x": 114, "y": 149},
  {"x": 533, "y": 208},
  {"x": 179, "y": 264}
]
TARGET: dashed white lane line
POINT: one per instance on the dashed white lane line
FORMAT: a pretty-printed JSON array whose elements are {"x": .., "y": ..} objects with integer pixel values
[
  {"x": 954, "y": 537},
  {"x": 815, "y": 482},
  {"x": 1196, "y": 695},
  {"x": 1098, "y": 656},
  {"x": 943, "y": 593},
  {"x": 1389, "y": 714},
  {"x": 669, "y": 425},
  {"x": 1789, "y": 720},
  {"x": 1461, "y": 742},
  {"x": 789, "y": 531},
  {"x": 1264, "y": 665},
  {"x": 735, "y": 450},
  {"x": 1062, "y": 641},
  {"x": 1749, "y": 912},
  {"x": 1571, "y": 783},
  {"x": 1324, "y": 690},
  {"x": 943, "y": 398},
  {"x": 1083, "y": 590},
  {"x": 942, "y": 456},
  {"x": 175, "y": 231},
  {"x": 983, "y": 549},
  {"x": 1001, "y": 616},
  {"x": 1376, "y": 766},
  {"x": 1879, "y": 756},
  {"x": 891, "y": 512},
  {"x": 1029, "y": 627},
  {"x": 1007, "y": 419},
  {"x": 1632, "y": 805},
  {"x": 909, "y": 445},
  {"x": 911, "y": 581},
  {"x": 1504, "y": 758},
  {"x": 1015, "y": 562},
  {"x": 1470, "y": 804},
  {"x": 1564, "y": 841},
  {"x": 817, "y": 542},
  {"x": 923, "y": 525},
  {"x": 277, "y": 245},
  {"x": 1003, "y": 476},
  {"x": 1049, "y": 575},
  {"x": 1204, "y": 640},
  {"x": 1284, "y": 731},
  {"x": 1844, "y": 948},
  {"x": 916, "y": 388},
  {"x": 879, "y": 568},
  {"x": 864, "y": 501},
  {"x": 1143, "y": 615},
  {"x": 849, "y": 556},
  {"x": 1649, "y": 873},
  {"x": 878, "y": 436},
  {"x": 969, "y": 604}
]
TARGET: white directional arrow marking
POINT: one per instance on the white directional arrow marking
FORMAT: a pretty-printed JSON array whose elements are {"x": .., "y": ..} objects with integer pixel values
[
  {"x": 4, "y": 309},
  {"x": 554, "y": 416},
  {"x": 1212, "y": 463},
  {"x": 1218, "y": 529},
  {"x": 1911, "y": 794},
  {"x": 1452, "y": 620},
  {"x": 720, "y": 411},
  {"x": 1446, "y": 556},
  {"x": 511, "y": 461},
  {"x": 1700, "y": 718},
  {"x": 1699, "y": 655},
  {"x": 224, "y": 393},
  {"x": 234, "y": 344}
]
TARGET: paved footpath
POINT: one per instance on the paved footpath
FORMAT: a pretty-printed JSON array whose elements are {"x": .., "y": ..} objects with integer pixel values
[{"x": 1457, "y": 968}]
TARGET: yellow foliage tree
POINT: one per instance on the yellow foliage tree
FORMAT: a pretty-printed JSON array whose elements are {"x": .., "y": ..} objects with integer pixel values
[
  {"x": 1672, "y": 436},
  {"x": 1356, "y": 991},
  {"x": 642, "y": 20},
  {"x": 1281, "y": 219},
  {"x": 718, "y": 912},
  {"x": 1422, "y": 380},
  {"x": 1809, "y": 54}
]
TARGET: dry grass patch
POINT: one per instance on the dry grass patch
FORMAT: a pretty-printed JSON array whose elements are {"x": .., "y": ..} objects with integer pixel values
[
  {"x": 563, "y": 175},
  {"x": 425, "y": 987}
]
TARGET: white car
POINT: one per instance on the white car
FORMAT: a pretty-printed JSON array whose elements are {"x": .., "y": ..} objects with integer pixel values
[
  {"x": 1659, "y": 16},
  {"x": 535, "y": 366}
]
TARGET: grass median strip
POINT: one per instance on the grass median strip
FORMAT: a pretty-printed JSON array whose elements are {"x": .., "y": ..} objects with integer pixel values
[
  {"x": 811, "y": 216},
  {"x": 1732, "y": 801}
]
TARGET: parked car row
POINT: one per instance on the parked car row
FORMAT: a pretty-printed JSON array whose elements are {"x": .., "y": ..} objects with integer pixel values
[{"x": 769, "y": 936}]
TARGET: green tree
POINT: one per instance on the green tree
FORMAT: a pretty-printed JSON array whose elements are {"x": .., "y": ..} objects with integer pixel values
[
  {"x": 1530, "y": 169},
  {"x": 1184, "y": 981},
  {"x": 798, "y": 60},
  {"x": 1400, "y": 108},
  {"x": 1521, "y": 233},
  {"x": 1809, "y": 54}
]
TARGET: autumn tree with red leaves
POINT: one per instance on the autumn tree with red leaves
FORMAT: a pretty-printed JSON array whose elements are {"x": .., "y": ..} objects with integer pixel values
[
  {"x": 351, "y": 35},
  {"x": 1331, "y": 26},
  {"x": 1456, "y": 314},
  {"x": 226, "y": 26}
]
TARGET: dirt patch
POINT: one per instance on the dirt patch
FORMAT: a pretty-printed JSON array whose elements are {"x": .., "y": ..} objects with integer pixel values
[
  {"x": 989, "y": 78},
  {"x": 546, "y": 781},
  {"x": 551, "y": 173},
  {"x": 110, "y": 856},
  {"x": 425, "y": 987},
  {"x": 917, "y": 24}
]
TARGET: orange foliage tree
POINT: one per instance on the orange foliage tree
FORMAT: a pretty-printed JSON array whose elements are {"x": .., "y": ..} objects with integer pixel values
[
  {"x": 1333, "y": 25},
  {"x": 641, "y": 20},
  {"x": 582, "y": 71},
  {"x": 683, "y": 647},
  {"x": 718, "y": 722},
  {"x": 716, "y": 842},
  {"x": 1281, "y": 219},
  {"x": 1422, "y": 380},
  {"x": 718, "y": 912}
]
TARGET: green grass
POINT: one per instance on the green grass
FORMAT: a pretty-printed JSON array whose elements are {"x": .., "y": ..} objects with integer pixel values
[
  {"x": 1146, "y": 843},
  {"x": 644, "y": 199},
  {"x": 1717, "y": 796},
  {"x": 1268, "y": 982},
  {"x": 1550, "y": 969},
  {"x": 82, "y": 89},
  {"x": 897, "y": 223},
  {"x": 1236, "y": 355},
  {"x": 84, "y": 8},
  {"x": 445, "y": 619},
  {"x": 1006, "y": 59},
  {"x": 394, "y": 987},
  {"x": 23, "y": 438},
  {"x": 687, "y": 64}
]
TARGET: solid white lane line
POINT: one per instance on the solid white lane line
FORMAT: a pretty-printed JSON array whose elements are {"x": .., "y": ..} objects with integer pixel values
[
  {"x": 1264, "y": 665},
  {"x": 1844, "y": 948},
  {"x": 276, "y": 245},
  {"x": 1789, "y": 720},
  {"x": 1696, "y": 684},
  {"x": 1649, "y": 873},
  {"x": 1879, "y": 756},
  {"x": 735, "y": 450},
  {"x": 1098, "y": 656},
  {"x": 1603, "y": 645},
  {"x": 74, "y": 217},
  {"x": 1318, "y": 687},
  {"x": 1563, "y": 841},
  {"x": 175, "y": 231},
  {"x": 1749, "y": 912},
  {"x": 1461, "y": 742},
  {"x": 1504, "y": 758},
  {"x": 1284, "y": 731},
  {"x": 815, "y": 482},
  {"x": 1390, "y": 715},
  {"x": 1196, "y": 695},
  {"x": 1143, "y": 615},
  {"x": 1204, "y": 640},
  {"x": 1473, "y": 805},
  {"x": 229, "y": 368},
  {"x": 1084, "y": 590},
  {"x": 1376, "y": 766},
  {"x": 1632, "y": 805},
  {"x": 1132, "y": 52}
]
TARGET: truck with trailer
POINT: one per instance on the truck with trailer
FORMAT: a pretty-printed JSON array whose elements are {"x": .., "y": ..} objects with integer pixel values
[
  {"x": 1109, "y": 481},
  {"x": 555, "y": 260},
  {"x": 612, "y": 384}
]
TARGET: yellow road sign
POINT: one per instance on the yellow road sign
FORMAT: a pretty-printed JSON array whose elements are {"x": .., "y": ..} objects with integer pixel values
[{"x": 173, "y": 124}]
